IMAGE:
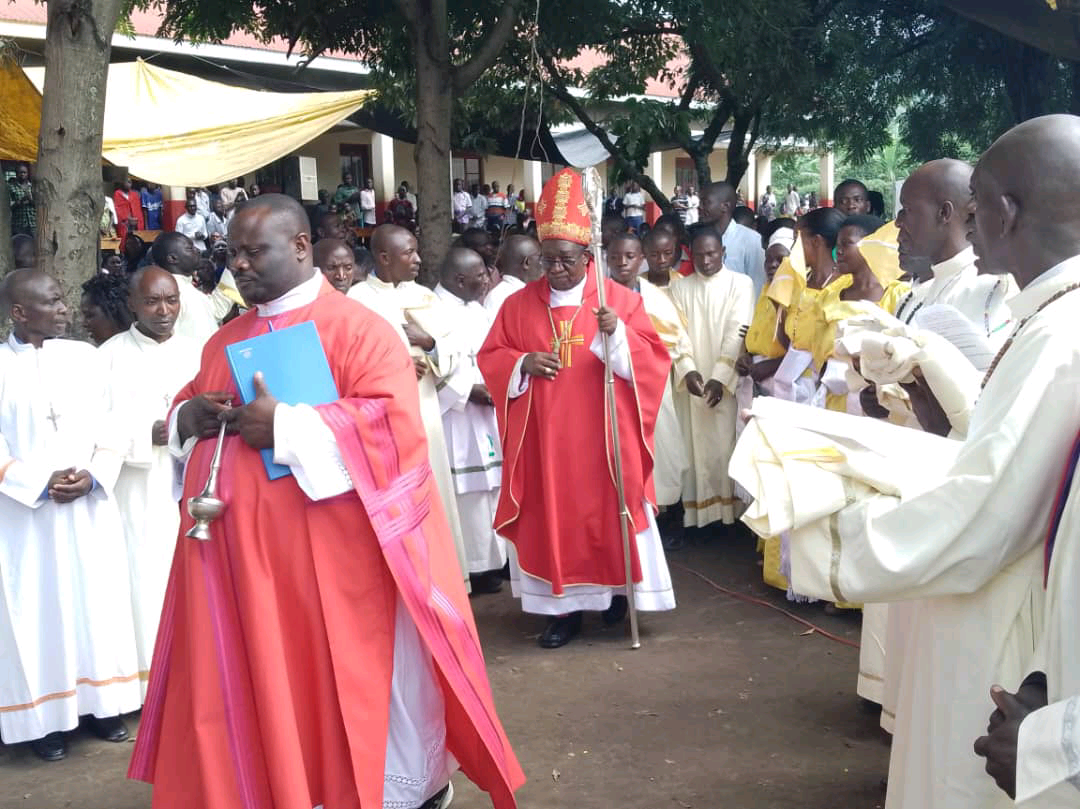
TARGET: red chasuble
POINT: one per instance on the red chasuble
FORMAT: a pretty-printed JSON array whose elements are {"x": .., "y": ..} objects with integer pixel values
[
  {"x": 270, "y": 683},
  {"x": 558, "y": 503}
]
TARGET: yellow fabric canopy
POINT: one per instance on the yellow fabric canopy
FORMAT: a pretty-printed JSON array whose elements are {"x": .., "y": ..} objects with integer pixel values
[
  {"x": 20, "y": 114},
  {"x": 180, "y": 130}
]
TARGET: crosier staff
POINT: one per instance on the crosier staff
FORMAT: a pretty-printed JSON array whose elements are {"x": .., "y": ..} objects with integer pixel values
[{"x": 594, "y": 199}]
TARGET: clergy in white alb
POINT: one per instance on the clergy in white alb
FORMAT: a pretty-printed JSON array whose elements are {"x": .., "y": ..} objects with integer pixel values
[
  {"x": 472, "y": 433},
  {"x": 933, "y": 246},
  {"x": 895, "y": 514},
  {"x": 425, "y": 325},
  {"x": 145, "y": 367},
  {"x": 718, "y": 305},
  {"x": 176, "y": 253},
  {"x": 67, "y": 639},
  {"x": 518, "y": 264},
  {"x": 1032, "y": 745},
  {"x": 625, "y": 259}
]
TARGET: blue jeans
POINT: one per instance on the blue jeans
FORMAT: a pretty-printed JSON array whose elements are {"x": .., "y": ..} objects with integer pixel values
[{"x": 634, "y": 223}]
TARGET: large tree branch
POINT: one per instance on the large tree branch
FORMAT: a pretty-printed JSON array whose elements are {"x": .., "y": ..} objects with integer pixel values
[
  {"x": 688, "y": 93},
  {"x": 557, "y": 85},
  {"x": 485, "y": 54},
  {"x": 716, "y": 126}
]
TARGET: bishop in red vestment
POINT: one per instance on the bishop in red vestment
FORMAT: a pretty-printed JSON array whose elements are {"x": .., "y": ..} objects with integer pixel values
[
  {"x": 318, "y": 651},
  {"x": 543, "y": 363}
]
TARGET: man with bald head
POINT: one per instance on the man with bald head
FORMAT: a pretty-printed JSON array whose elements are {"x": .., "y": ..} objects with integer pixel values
[
  {"x": 743, "y": 252},
  {"x": 145, "y": 366},
  {"x": 934, "y": 246},
  {"x": 518, "y": 264},
  {"x": 322, "y": 631},
  {"x": 468, "y": 412},
  {"x": 67, "y": 640},
  {"x": 425, "y": 325},
  {"x": 965, "y": 542}
]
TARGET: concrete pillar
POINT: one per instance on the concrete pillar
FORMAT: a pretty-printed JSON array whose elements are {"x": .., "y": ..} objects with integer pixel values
[
  {"x": 533, "y": 182},
  {"x": 174, "y": 198},
  {"x": 826, "y": 178},
  {"x": 382, "y": 170},
  {"x": 655, "y": 170},
  {"x": 748, "y": 185},
  {"x": 763, "y": 173}
]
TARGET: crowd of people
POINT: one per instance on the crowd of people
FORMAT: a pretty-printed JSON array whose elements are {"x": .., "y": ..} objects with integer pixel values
[{"x": 883, "y": 404}]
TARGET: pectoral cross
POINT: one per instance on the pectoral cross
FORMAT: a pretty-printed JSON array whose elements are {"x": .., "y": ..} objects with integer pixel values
[
  {"x": 168, "y": 401},
  {"x": 564, "y": 342},
  {"x": 53, "y": 417}
]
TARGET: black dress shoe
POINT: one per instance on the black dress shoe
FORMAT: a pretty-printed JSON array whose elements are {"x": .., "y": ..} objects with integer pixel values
[
  {"x": 561, "y": 630},
  {"x": 111, "y": 729},
  {"x": 617, "y": 611},
  {"x": 489, "y": 582},
  {"x": 50, "y": 748},
  {"x": 505, "y": 572}
]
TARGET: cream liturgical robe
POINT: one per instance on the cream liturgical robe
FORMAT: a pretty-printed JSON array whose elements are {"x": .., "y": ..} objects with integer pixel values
[
  {"x": 67, "y": 639},
  {"x": 672, "y": 461},
  {"x": 142, "y": 377},
  {"x": 883, "y": 513},
  {"x": 980, "y": 298},
  {"x": 409, "y": 302},
  {"x": 1048, "y": 748},
  {"x": 498, "y": 294},
  {"x": 472, "y": 438},
  {"x": 197, "y": 319},
  {"x": 717, "y": 309}
]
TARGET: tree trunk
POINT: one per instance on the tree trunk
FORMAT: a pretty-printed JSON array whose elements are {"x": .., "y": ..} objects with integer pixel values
[
  {"x": 67, "y": 179},
  {"x": 701, "y": 166},
  {"x": 434, "y": 111},
  {"x": 1026, "y": 80},
  {"x": 738, "y": 151}
]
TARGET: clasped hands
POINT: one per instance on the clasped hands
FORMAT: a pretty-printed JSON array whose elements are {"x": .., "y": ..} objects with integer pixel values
[
  {"x": 999, "y": 745},
  {"x": 712, "y": 391},
  {"x": 202, "y": 415},
  {"x": 546, "y": 365}
]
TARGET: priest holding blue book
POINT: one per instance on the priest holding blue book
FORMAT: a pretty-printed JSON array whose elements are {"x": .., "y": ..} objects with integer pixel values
[{"x": 318, "y": 649}]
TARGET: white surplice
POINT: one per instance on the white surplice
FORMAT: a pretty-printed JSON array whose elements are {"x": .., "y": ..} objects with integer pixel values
[
  {"x": 418, "y": 763},
  {"x": 717, "y": 309},
  {"x": 411, "y": 302},
  {"x": 472, "y": 439},
  {"x": 498, "y": 294},
  {"x": 142, "y": 378},
  {"x": 956, "y": 282},
  {"x": 67, "y": 637},
  {"x": 1048, "y": 748},
  {"x": 672, "y": 459},
  {"x": 654, "y": 592},
  {"x": 196, "y": 321},
  {"x": 882, "y": 513}
]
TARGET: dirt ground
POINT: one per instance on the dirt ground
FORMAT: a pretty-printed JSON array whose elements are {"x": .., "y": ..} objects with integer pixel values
[{"x": 727, "y": 705}]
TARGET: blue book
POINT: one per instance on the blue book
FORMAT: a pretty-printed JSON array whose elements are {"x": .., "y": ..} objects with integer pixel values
[{"x": 294, "y": 367}]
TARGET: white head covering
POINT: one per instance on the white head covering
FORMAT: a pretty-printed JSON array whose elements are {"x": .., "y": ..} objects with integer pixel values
[{"x": 782, "y": 236}]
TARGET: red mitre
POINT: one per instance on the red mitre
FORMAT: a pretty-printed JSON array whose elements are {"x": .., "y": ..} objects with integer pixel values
[{"x": 561, "y": 212}]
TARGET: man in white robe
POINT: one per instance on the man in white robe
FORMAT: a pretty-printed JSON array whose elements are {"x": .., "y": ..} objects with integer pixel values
[
  {"x": 145, "y": 368},
  {"x": 624, "y": 260},
  {"x": 933, "y": 245},
  {"x": 472, "y": 433},
  {"x": 425, "y": 325},
  {"x": 67, "y": 640},
  {"x": 718, "y": 305},
  {"x": 880, "y": 513},
  {"x": 1032, "y": 745},
  {"x": 176, "y": 253},
  {"x": 518, "y": 263}
]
